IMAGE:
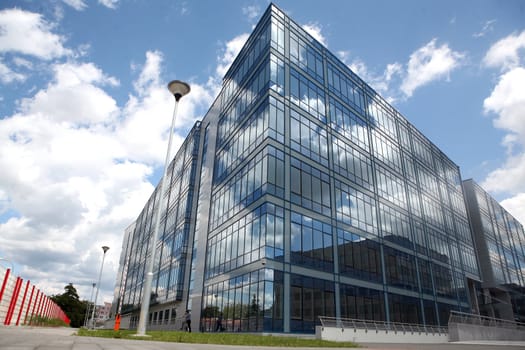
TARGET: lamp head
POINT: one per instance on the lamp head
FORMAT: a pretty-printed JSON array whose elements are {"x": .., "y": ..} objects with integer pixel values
[
  {"x": 105, "y": 249},
  {"x": 178, "y": 89}
]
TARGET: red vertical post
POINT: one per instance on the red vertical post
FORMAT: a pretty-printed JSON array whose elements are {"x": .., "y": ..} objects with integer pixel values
[
  {"x": 29, "y": 303},
  {"x": 4, "y": 284},
  {"x": 37, "y": 313},
  {"x": 35, "y": 302},
  {"x": 12, "y": 304},
  {"x": 44, "y": 307},
  {"x": 22, "y": 305},
  {"x": 48, "y": 308}
]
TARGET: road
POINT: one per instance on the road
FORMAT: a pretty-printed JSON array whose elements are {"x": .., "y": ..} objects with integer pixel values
[{"x": 29, "y": 338}]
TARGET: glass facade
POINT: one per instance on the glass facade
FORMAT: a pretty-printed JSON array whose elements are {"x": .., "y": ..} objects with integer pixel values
[
  {"x": 313, "y": 197},
  {"x": 500, "y": 241},
  {"x": 168, "y": 285}
]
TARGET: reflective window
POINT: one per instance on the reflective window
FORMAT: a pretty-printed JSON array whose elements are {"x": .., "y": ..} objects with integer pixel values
[
  {"x": 362, "y": 303},
  {"x": 232, "y": 117},
  {"x": 267, "y": 121},
  {"x": 404, "y": 309},
  {"x": 400, "y": 269},
  {"x": 345, "y": 88},
  {"x": 310, "y": 187},
  {"x": 248, "y": 303},
  {"x": 277, "y": 74},
  {"x": 427, "y": 181},
  {"x": 308, "y": 138},
  {"x": 277, "y": 35},
  {"x": 348, "y": 124},
  {"x": 395, "y": 226},
  {"x": 309, "y": 299},
  {"x": 355, "y": 208},
  {"x": 382, "y": 118},
  {"x": 404, "y": 136},
  {"x": 391, "y": 187},
  {"x": 359, "y": 257},
  {"x": 306, "y": 57},
  {"x": 255, "y": 48},
  {"x": 352, "y": 163},
  {"x": 307, "y": 95},
  {"x": 386, "y": 151},
  {"x": 311, "y": 243},
  {"x": 255, "y": 235},
  {"x": 422, "y": 149},
  {"x": 432, "y": 211},
  {"x": 261, "y": 175}
]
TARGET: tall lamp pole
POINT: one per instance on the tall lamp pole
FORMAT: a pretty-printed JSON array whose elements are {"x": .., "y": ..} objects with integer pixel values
[
  {"x": 105, "y": 249},
  {"x": 178, "y": 89},
  {"x": 86, "y": 320}
]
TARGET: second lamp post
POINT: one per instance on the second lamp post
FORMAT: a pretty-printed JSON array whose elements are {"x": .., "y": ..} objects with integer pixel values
[{"x": 178, "y": 89}]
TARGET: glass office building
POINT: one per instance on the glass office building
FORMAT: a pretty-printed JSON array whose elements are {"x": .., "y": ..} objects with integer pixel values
[
  {"x": 500, "y": 243},
  {"x": 303, "y": 193}
]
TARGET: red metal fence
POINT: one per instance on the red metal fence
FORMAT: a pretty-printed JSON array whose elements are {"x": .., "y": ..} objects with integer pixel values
[{"x": 23, "y": 303}]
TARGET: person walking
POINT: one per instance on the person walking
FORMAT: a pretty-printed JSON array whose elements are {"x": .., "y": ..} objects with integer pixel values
[
  {"x": 188, "y": 320},
  {"x": 219, "y": 327}
]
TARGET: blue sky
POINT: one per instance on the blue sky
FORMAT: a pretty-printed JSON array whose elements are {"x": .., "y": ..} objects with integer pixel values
[{"x": 84, "y": 107}]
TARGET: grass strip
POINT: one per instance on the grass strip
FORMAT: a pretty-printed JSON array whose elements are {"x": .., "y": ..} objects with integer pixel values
[{"x": 217, "y": 338}]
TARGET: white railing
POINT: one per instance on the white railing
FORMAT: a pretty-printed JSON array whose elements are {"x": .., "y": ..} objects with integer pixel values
[
  {"x": 465, "y": 318},
  {"x": 376, "y": 326}
]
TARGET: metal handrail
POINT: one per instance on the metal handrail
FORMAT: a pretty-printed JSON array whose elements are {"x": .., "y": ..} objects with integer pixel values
[
  {"x": 374, "y": 325},
  {"x": 479, "y": 320}
]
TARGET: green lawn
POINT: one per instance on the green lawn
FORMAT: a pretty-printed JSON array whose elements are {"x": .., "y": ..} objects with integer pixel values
[{"x": 218, "y": 338}]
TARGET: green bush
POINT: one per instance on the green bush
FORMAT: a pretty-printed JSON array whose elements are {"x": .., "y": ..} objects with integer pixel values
[{"x": 40, "y": 321}]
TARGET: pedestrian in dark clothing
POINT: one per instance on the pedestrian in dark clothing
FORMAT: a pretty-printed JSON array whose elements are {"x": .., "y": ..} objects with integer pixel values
[
  {"x": 188, "y": 320},
  {"x": 219, "y": 328}
]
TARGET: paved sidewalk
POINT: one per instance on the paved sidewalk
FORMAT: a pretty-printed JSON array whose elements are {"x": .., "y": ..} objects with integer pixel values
[{"x": 29, "y": 338}]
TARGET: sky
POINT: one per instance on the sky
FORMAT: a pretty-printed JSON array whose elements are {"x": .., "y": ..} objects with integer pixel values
[{"x": 85, "y": 112}]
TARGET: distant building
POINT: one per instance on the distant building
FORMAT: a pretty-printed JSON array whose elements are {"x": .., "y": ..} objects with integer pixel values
[
  {"x": 102, "y": 312},
  {"x": 302, "y": 193},
  {"x": 500, "y": 243}
]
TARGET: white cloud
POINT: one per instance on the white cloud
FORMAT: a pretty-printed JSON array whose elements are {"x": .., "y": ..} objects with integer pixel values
[
  {"x": 315, "y": 30},
  {"x": 28, "y": 33},
  {"x": 75, "y": 188},
  {"x": 233, "y": 47},
  {"x": 504, "y": 54},
  {"x": 150, "y": 73},
  {"x": 78, "y": 5},
  {"x": 76, "y": 165},
  {"x": 507, "y": 102},
  {"x": 75, "y": 96},
  {"x": 487, "y": 28},
  {"x": 147, "y": 116},
  {"x": 8, "y": 76},
  {"x": 112, "y": 4},
  {"x": 516, "y": 206},
  {"x": 251, "y": 12},
  {"x": 429, "y": 63},
  {"x": 509, "y": 178},
  {"x": 22, "y": 62}
]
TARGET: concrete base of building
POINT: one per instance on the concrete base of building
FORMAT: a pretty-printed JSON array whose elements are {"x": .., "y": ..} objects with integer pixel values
[
  {"x": 379, "y": 336},
  {"x": 468, "y": 332}
]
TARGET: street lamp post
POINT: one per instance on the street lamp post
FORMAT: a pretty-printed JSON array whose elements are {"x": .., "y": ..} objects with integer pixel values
[
  {"x": 86, "y": 319},
  {"x": 178, "y": 89},
  {"x": 105, "y": 249}
]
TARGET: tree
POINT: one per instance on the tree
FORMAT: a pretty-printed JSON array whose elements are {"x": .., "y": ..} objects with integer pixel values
[{"x": 71, "y": 304}]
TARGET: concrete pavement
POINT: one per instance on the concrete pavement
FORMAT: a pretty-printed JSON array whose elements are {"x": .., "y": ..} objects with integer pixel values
[{"x": 29, "y": 338}]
